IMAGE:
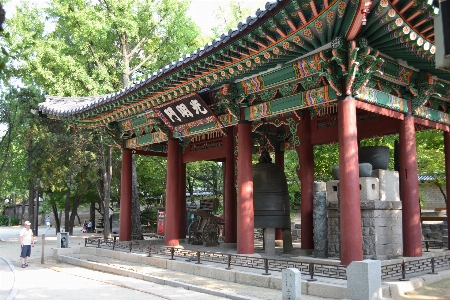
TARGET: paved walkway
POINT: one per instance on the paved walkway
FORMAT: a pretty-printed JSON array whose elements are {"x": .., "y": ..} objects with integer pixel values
[{"x": 58, "y": 280}]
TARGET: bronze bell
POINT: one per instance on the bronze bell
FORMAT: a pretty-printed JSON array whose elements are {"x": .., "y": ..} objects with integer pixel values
[{"x": 270, "y": 194}]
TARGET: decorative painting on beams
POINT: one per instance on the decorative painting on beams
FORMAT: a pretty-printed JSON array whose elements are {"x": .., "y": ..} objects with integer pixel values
[
  {"x": 422, "y": 89},
  {"x": 350, "y": 63}
]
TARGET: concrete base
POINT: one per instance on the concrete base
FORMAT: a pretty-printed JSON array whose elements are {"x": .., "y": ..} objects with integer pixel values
[
  {"x": 302, "y": 252},
  {"x": 228, "y": 245},
  {"x": 209, "y": 244},
  {"x": 107, "y": 261}
]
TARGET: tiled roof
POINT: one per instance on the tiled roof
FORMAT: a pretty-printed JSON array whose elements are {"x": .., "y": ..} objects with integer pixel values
[{"x": 68, "y": 106}]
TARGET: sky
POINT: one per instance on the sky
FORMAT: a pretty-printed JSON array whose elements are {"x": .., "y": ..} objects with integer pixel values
[{"x": 201, "y": 11}]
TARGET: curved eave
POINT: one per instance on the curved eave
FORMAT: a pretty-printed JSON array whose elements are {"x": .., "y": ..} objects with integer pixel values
[
  {"x": 82, "y": 105},
  {"x": 284, "y": 31},
  {"x": 403, "y": 30}
]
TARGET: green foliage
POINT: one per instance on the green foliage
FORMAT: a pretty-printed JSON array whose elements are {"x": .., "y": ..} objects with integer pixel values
[
  {"x": 430, "y": 152},
  {"x": 149, "y": 216},
  {"x": 97, "y": 47},
  {"x": 4, "y": 220},
  {"x": 325, "y": 158},
  {"x": 151, "y": 172},
  {"x": 205, "y": 177}
]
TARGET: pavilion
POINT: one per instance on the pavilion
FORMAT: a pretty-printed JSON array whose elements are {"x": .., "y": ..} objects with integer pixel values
[{"x": 298, "y": 73}]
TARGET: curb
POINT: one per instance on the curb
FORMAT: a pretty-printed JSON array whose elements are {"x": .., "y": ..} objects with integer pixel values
[
  {"x": 14, "y": 289},
  {"x": 151, "y": 278}
]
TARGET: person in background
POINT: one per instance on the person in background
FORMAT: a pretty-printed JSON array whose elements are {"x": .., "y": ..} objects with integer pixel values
[
  {"x": 47, "y": 221},
  {"x": 89, "y": 226},
  {"x": 26, "y": 241}
]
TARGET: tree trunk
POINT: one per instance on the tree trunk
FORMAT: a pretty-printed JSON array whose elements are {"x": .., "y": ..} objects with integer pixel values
[
  {"x": 79, "y": 220},
  {"x": 136, "y": 229},
  {"x": 67, "y": 211},
  {"x": 57, "y": 218},
  {"x": 76, "y": 202},
  {"x": 92, "y": 215},
  {"x": 442, "y": 191}
]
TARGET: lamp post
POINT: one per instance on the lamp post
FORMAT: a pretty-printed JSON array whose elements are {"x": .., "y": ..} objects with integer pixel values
[{"x": 36, "y": 208}]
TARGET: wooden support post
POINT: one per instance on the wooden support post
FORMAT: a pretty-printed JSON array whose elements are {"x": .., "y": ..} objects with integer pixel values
[
  {"x": 230, "y": 204},
  {"x": 409, "y": 190},
  {"x": 125, "y": 196},
  {"x": 306, "y": 160},
  {"x": 172, "y": 193},
  {"x": 245, "y": 221},
  {"x": 350, "y": 202},
  {"x": 182, "y": 199}
]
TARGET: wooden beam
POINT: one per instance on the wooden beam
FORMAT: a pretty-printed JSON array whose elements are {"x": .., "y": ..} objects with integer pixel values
[
  {"x": 379, "y": 110},
  {"x": 432, "y": 124},
  {"x": 150, "y": 153},
  {"x": 371, "y": 127}
]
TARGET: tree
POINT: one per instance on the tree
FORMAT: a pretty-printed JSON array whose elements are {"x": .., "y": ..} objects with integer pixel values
[{"x": 99, "y": 47}]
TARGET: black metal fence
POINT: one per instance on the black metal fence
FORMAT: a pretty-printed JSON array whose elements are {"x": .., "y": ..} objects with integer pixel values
[
  {"x": 397, "y": 270},
  {"x": 275, "y": 265},
  {"x": 424, "y": 265}
]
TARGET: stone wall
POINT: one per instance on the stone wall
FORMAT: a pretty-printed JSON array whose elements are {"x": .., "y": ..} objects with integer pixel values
[
  {"x": 381, "y": 223},
  {"x": 381, "y": 216},
  {"x": 432, "y": 195}
]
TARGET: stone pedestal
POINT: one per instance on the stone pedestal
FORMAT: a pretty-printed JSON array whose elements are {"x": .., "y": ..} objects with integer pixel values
[
  {"x": 369, "y": 189},
  {"x": 389, "y": 185},
  {"x": 291, "y": 284},
  {"x": 364, "y": 280},
  {"x": 320, "y": 220},
  {"x": 381, "y": 226},
  {"x": 269, "y": 241}
]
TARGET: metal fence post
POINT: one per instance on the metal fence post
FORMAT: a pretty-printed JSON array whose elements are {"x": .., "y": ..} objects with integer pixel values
[
  {"x": 149, "y": 251},
  {"x": 432, "y": 267},
  {"x": 311, "y": 272},
  {"x": 98, "y": 243},
  {"x": 266, "y": 267},
  {"x": 43, "y": 244},
  {"x": 403, "y": 272},
  {"x": 198, "y": 258},
  {"x": 229, "y": 263}
]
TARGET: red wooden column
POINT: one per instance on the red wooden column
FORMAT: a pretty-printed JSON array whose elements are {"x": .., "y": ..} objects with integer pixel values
[
  {"x": 447, "y": 176},
  {"x": 245, "y": 220},
  {"x": 279, "y": 160},
  {"x": 306, "y": 160},
  {"x": 182, "y": 199},
  {"x": 409, "y": 190},
  {"x": 125, "y": 196},
  {"x": 350, "y": 202},
  {"x": 230, "y": 204},
  {"x": 172, "y": 193}
]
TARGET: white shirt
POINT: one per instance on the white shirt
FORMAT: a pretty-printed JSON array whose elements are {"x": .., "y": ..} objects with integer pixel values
[{"x": 26, "y": 236}]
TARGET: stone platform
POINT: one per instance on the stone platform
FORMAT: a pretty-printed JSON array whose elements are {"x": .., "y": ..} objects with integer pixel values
[{"x": 221, "y": 281}]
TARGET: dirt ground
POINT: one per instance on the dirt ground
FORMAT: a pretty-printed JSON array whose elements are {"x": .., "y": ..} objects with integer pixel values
[{"x": 436, "y": 291}]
